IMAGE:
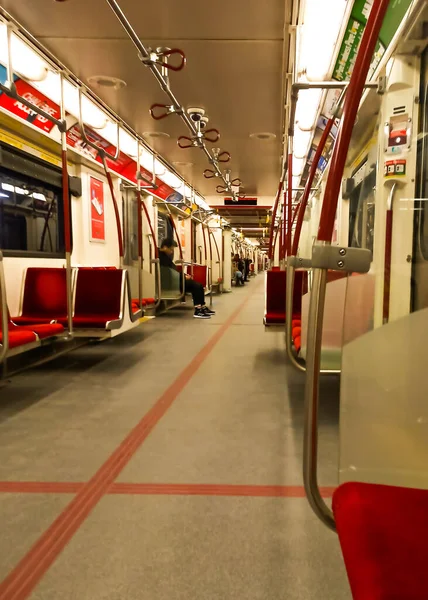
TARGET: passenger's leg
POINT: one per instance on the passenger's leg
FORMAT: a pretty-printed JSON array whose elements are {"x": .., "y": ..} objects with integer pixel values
[{"x": 198, "y": 296}]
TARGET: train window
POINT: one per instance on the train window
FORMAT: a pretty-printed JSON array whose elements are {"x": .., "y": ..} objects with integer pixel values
[
  {"x": 31, "y": 216},
  {"x": 362, "y": 210}
]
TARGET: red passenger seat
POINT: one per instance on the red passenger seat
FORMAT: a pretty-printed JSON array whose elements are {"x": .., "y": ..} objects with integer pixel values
[
  {"x": 45, "y": 296},
  {"x": 98, "y": 298},
  {"x": 383, "y": 531},
  {"x": 276, "y": 282},
  {"x": 199, "y": 274},
  {"x": 19, "y": 338},
  {"x": 43, "y": 331}
]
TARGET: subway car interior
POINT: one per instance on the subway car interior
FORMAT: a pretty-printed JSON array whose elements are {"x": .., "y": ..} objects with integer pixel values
[{"x": 213, "y": 300}]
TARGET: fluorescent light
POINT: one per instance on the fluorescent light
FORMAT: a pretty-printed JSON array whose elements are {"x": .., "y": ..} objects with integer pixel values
[
  {"x": 25, "y": 61},
  {"x": 298, "y": 166},
  {"x": 325, "y": 17},
  {"x": 160, "y": 168},
  {"x": 4, "y": 195},
  {"x": 8, "y": 187},
  {"x": 296, "y": 181},
  {"x": 38, "y": 196},
  {"x": 92, "y": 116},
  {"x": 171, "y": 179},
  {"x": 21, "y": 191},
  {"x": 127, "y": 143},
  {"x": 307, "y": 108},
  {"x": 146, "y": 160},
  {"x": 301, "y": 143},
  {"x": 201, "y": 202}
]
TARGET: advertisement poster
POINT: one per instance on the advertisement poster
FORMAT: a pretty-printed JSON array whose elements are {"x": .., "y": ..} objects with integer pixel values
[
  {"x": 183, "y": 233},
  {"x": 355, "y": 29},
  {"x": 97, "y": 210}
]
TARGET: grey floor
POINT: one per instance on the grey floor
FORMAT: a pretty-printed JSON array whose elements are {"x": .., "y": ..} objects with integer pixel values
[{"x": 237, "y": 422}]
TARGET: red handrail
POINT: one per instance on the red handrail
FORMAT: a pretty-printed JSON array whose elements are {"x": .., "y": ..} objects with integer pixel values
[
  {"x": 352, "y": 102},
  {"x": 205, "y": 243},
  {"x": 275, "y": 210},
  {"x": 146, "y": 212},
  {"x": 115, "y": 206},
  {"x": 289, "y": 201},
  {"x": 66, "y": 202},
  {"x": 308, "y": 187},
  {"x": 139, "y": 225}
]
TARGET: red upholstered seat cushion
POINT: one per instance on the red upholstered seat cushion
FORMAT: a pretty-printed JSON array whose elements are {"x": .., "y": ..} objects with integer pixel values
[
  {"x": 43, "y": 331},
  {"x": 93, "y": 321},
  {"x": 296, "y": 322},
  {"x": 98, "y": 297},
  {"x": 272, "y": 318},
  {"x": 383, "y": 531},
  {"x": 19, "y": 338},
  {"x": 37, "y": 320},
  {"x": 297, "y": 341},
  {"x": 45, "y": 294}
]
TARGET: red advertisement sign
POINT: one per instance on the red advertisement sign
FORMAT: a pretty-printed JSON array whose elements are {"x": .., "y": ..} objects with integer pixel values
[
  {"x": 97, "y": 210},
  {"x": 16, "y": 107}
]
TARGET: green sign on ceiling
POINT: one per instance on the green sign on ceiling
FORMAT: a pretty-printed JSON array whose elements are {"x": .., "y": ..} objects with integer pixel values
[{"x": 354, "y": 32}]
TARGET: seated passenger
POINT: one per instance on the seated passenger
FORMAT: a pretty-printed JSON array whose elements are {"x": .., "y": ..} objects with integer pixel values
[
  {"x": 166, "y": 252},
  {"x": 238, "y": 270}
]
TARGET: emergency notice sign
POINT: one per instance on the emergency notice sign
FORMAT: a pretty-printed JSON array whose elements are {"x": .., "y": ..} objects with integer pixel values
[{"x": 97, "y": 210}]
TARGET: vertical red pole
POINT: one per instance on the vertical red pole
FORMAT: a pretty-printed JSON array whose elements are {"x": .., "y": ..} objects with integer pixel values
[
  {"x": 387, "y": 269},
  {"x": 289, "y": 201},
  {"x": 116, "y": 208}
]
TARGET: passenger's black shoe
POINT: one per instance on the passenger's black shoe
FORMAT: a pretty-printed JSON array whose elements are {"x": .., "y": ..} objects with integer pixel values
[
  {"x": 201, "y": 314},
  {"x": 208, "y": 311}
]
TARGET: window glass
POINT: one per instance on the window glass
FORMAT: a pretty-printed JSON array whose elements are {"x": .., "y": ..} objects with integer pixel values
[{"x": 31, "y": 215}]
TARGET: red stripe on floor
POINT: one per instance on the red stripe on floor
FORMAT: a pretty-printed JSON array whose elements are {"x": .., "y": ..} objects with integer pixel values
[
  {"x": 40, "y": 487},
  {"x": 19, "y": 584},
  {"x": 163, "y": 489},
  {"x": 184, "y": 489}
]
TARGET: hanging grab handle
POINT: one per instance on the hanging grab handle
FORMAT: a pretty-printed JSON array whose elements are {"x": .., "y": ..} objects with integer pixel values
[
  {"x": 224, "y": 157},
  {"x": 211, "y": 138},
  {"x": 186, "y": 142},
  {"x": 167, "y": 53},
  {"x": 209, "y": 174},
  {"x": 161, "y": 111}
]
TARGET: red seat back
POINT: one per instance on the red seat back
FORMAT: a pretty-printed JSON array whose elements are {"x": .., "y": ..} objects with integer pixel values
[
  {"x": 276, "y": 282},
  {"x": 98, "y": 292},
  {"x": 45, "y": 292},
  {"x": 383, "y": 531},
  {"x": 199, "y": 274}
]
